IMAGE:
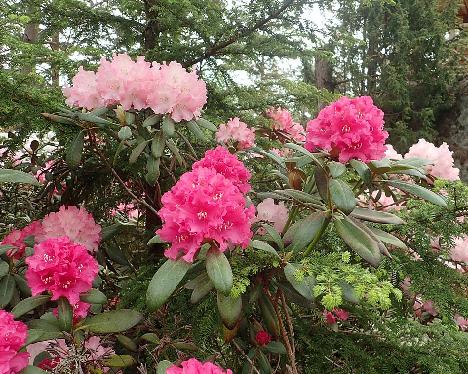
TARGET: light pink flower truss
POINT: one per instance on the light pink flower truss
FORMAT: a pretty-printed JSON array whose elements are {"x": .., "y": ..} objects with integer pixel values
[
  {"x": 459, "y": 252},
  {"x": 83, "y": 93},
  {"x": 284, "y": 122},
  {"x": 13, "y": 336},
  {"x": 76, "y": 223},
  {"x": 193, "y": 366},
  {"x": 391, "y": 153},
  {"x": 61, "y": 267},
  {"x": 227, "y": 164},
  {"x": 16, "y": 239},
  {"x": 277, "y": 214},
  {"x": 349, "y": 129},
  {"x": 204, "y": 206},
  {"x": 236, "y": 131},
  {"x": 440, "y": 157}
]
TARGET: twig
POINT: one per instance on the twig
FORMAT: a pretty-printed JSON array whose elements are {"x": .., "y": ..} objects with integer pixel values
[
  {"x": 246, "y": 356},
  {"x": 288, "y": 319}
]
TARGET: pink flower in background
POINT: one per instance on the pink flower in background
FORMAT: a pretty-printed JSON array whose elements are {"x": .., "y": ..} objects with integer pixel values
[
  {"x": 284, "y": 122},
  {"x": 61, "y": 267},
  {"x": 84, "y": 92},
  {"x": 13, "y": 336},
  {"x": 334, "y": 315},
  {"x": 193, "y": 366},
  {"x": 459, "y": 252},
  {"x": 16, "y": 238},
  {"x": 392, "y": 153},
  {"x": 349, "y": 129},
  {"x": 341, "y": 314},
  {"x": 283, "y": 152},
  {"x": 461, "y": 322},
  {"x": 227, "y": 164},
  {"x": 440, "y": 157},
  {"x": 127, "y": 209},
  {"x": 204, "y": 206},
  {"x": 277, "y": 214},
  {"x": 76, "y": 223},
  {"x": 236, "y": 131}
]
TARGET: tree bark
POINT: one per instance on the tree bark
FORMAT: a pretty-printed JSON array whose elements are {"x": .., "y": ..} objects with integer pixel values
[{"x": 323, "y": 77}]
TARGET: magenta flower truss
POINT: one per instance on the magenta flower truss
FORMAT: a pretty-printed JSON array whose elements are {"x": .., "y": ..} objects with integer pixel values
[
  {"x": 193, "y": 366},
  {"x": 284, "y": 122},
  {"x": 61, "y": 267},
  {"x": 166, "y": 89},
  {"x": 16, "y": 239},
  {"x": 236, "y": 131},
  {"x": 13, "y": 336},
  {"x": 349, "y": 129},
  {"x": 76, "y": 223},
  {"x": 204, "y": 206},
  {"x": 228, "y": 165}
]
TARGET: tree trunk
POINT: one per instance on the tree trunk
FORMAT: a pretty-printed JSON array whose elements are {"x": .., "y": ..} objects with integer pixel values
[
  {"x": 55, "y": 72},
  {"x": 323, "y": 77},
  {"x": 152, "y": 30},
  {"x": 30, "y": 35}
]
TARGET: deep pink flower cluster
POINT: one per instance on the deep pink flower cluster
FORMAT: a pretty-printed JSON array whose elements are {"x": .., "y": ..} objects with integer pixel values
[
  {"x": 13, "y": 336},
  {"x": 166, "y": 89},
  {"x": 277, "y": 214},
  {"x": 236, "y": 131},
  {"x": 285, "y": 123},
  {"x": 228, "y": 165},
  {"x": 193, "y": 366},
  {"x": 334, "y": 315},
  {"x": 16, "y": 239},
  {"x": 349, "y": 129},
  {"x": 61, "y": 267}
]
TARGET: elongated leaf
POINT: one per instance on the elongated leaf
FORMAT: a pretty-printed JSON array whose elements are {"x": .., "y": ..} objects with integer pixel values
[
  {"x": 125, "y": 133},
  {"x": 336, "y": 169},
  {"x": 271, "y": 155},
  {"x": 219, "y": 270},
  {"x": 110, "y": 231},
  {"x": 342, "y": 195},
  {"x": 257, "y": 244},
  {"x": 156, "y": 240},
  {"x": 322, "y": 181},
  {"x": 362, "y": 169},
  {"x": 137, "y": 151},
  {"x": 201, "y": 289},
  {"x": 349, "y": 293},
  {"x": 419, "y": 191},
  {"x": 75, "y": 150},
  {"x": 304, "y": 287},
  {"x": 388, "y": 238},
  {"x": 152, "y": 167},
  {"x": 230, "y": 309},
  {"x": 59, "y": 119},
  {"x": 300, "y": 196},
  {"x": 7, "y": 288},
  {"x": 127, "y": 343},
  {"x": 115, "y": 254},
  {"x": 16, "y": 176},
  {"x": 114, "y": 321},
  {"x": 276, "y": 347},
  {"x": 93, "y": 296},
  {"x": 4, "y": 268},
  {"x": 33, "y": 370},
  {"x": 150, "y": 337},
  {"x": 269, "y": 315},
  {"x": 163, "y": 366},
  {"x": 65, "y": 314},
  {"x": 196, "y": 130},
  {"x": 382, "y": 248},
  {"x": 358, "y": 240},
  {"x": 5, "y": 248},
  {"x": 168, "y": 127},
  {"x": 157, "y": 144},
  {"x": 119, "y": 361},
  {"x": 304, "y": 231},
  {"x": 304, "y": 151},
  {"x": 164, "y": 282},
  {"x": 88, "y": 117},
  {"x": 380, "y": 166},
  {"x": 175, "y": 151},
  {"x": 31, "y": 303},
  {"x": 151, "y": 120},
  {"x": 273, "y": 235},
  {"x": 206, "y": 124},
  {"x": 376, "y": 216}
]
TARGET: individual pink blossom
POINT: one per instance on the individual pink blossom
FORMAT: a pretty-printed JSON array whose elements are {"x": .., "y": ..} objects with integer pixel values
[
  {"x": 329, "y": 317},
  {"x": 204, "y": 206},
  {"x": 441, "y": 159},
  {"x": 193, "y": 366},
  {"x": 284, "y": 122},
  {"x": 80, "y": 311},
  {"x": 349, "y": 129},
  {"x": 83, "y": 93},
  {"x": 277, "y": 214},
  {"x": 13, "y": 336},
  {"x": 262, "y": 338},
  {"x": 341, "y": 314},
  {"x": 62, "y": 267},
  {"x": 392, "y": 153},
  {"x": 336, "y": 314},
  {"x": 227, "y": 164},
  {"x": 127, "y": 209},
  {"x": 459, "y": 252},
  {"x": 236, "y": 131},
  {"x": 16, "y": 239},
  {"x": 76, "y": 223}
]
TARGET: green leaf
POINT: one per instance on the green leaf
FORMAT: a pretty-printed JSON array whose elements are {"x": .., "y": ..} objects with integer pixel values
[
  {"x": 342, "y": 195},
  {"x": 163, "y": 366},
  {"x": 273, "y": 235},
  {"x": 93, "y": 296},
  {"x": 322, "y": 182},
  {"x": 336, "y": 169},
  {"x": 119, "y": 361},
  {"x": 362, "y": 169},
  {"x": 164, "y": 282},
  {"x": 152, "y": 166},
  {"x": 265, "y": 367},
  {"x": 157, "y": 144},
  {"x": 195, "y": 130},
  {"x": 7, "y": 288},
  {"x": 65, "y": 314},
  {"x": 110, "y": 231},
  {"x": 4, "y": 268},
  {"x": 115, "y": 254},
  {"x": 358, "y": 240},
  {"x": 349, "y": 293},
  {"x": 33, "y": 370},
  {"x": 376, "y": 216},
  {"x": 59, "y": 119},
  {"x": 114, "y": 321},
  {"x": 268, "y": 313},
  {"x": 301, "y": 233},
  {"x": 31, "y": 303},
  {"x": 380, "y": 166},
  {"x": 5, "y": 248},
  {"x": 304, "y": 287},
  {"x": 168, "y": 127},
  {"x": 219, "y": 270},
  {"x": 300, "y": 196},
  {"x": 156, "y": 240},
  {"x": 75, "y": 151},
  {"x": 151, "y": 120},
  {"x": 22, "y": 285},
  {"x": 304, "y": 151},
  {"x": 207, "y": 124},
  {"x": 419, "y": 191},
  {"x": 388, "y": 238},
  {"x": 201, "y": 286},
  {"x": 150, "y": 337},
  {"x": 40, "y": 335},
  {"x": 276, "y": 347},
  {"x": 230, "y": 309},
  {"x": 125, "y": 133},
  {"x": 88, "y": 117},
  {"x": 127, "y": 343},
  {"x": 16, "y": 176},
  {"x": 175, "y": 151},
  {"x": 137, "y": 151},
  {"x": 257, "y": 244}
]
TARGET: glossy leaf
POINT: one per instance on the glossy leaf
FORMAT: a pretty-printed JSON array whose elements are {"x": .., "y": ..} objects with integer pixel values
[
  {"x": 75, "y": 150},
  {"x": 263, "y": 246},
  {"x": 362, "y": 169},
  {"x": 342, "y": 195},
  {"x": 419, "y": 191},
  {"x": 93, "y": 296},
  {"x": 219, "y": 270},
  {"x": 17, "y": 176},
  {"x": 230, "y": 309},
  {"x": 376, "y": 216},
  {"x": 336, "y": 169},
  {"x": 388, "y": 238},
  {"x": 303, "y": 287},
  {"x": 301, "y": 233},
  {"x": 114, "y": 321},
  {"x": 28, "y": 304}
]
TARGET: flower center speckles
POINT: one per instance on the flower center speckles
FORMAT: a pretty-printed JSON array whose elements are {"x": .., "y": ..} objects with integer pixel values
[
  {"x": 345, "y": 129},
  {"x": 202, "y": 215},
  {"x": 48, "y": 258},
  {"x": 225, "y": 226},
  {"x": 46, "y": 279},
  {"x": 66, "y": 284},
  {"x": 80, "y": 268},
  {"x": 356, "y": 146},
  {"x": 217, "y": 196},
  {"x": 181, "y": 238}
]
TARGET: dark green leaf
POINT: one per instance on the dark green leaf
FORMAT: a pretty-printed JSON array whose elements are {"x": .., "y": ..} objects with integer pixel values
[
  {"x": 419, "y": 191},
  {"x": 219, "y": 271},
  {"x": 4, "y": 268},
  {"x": 342, "y": 195},
  {"x": 230, "y": 309},
  {"x": 127, "y": 343},
  {"x": 168, "y": 126},
  {"x": 7, "y": 288},
  {"x": 301, "y": 233},
  {"x": 195, "y": 130},
  {"x": 156, "y": 240},
  {"x": 150, "y": 337},
  {"x": 163, "y": 366},
  {"x": 75, "y": 150},
  {"x": 151, "y": 120},
  {"x": 362, "y": 169},
  {"x": 304, "y": 287},
  {"x": 65, "y": 314},
  {"x": 31, "y": 303},
  {"x": 175, "y": 151},
  {"x": 388, "y": 238},
  {"x": 273, "y": 235},
  {"x": 16, "y": 176},
  {"x": 88, "y": 117},
  {"x": 157, "y": 144},
  {"x": 33, "y": 370},
  {"x": 137, "y": 151},
  {"x": 207, "y": 124},
  {"x": 113, "y": 321},
  {"x": 59, "y": 119},
  {"x": 336, "y": 169},
  {"x": 276, "y": 347},
  {"x": 93, "y": 296},
  {"x": 257, "y": 244},
  {"x": 110, "y": 231},
  {"x": 119, "y": 361},
  {"x": 376, "y": 216}
]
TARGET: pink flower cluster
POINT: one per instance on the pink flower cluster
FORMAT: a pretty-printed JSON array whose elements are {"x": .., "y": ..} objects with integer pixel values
[
  {"x": 284, "y": 122},
  {"x": 61, "y": 267},
  {"x": 277, "y": 214},
  {"x": 207, "y": 204},
  {"x": 262, "y": 338},
  {"x": 459, "y": 252},
  {"x": 16, "y": 239},
  {"x": 166, "y": 89},
  {"x": 236, "y": 131},
  {"x": 127, "y": 209},
  {"x": 440, "y": 157},
  {"x": 349, "y": 129},
  {"x": 334, "y": 315},
  {"x": 193, "y": 366},
  {"x": 13, "y": 336}
]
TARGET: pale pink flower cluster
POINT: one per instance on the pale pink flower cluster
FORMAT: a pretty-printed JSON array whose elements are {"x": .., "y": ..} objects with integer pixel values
[
  {"x": 277, "y": 214},
  {"x": 349, "y": 129},
  {"x": 284, "y": 122},
  {"x": 127, "y": 209},
  {"x": 62, "y": 267},
  {"x": 193, "y": 366},
  {"x": 461, "y": 322},
  {"x": 236, "y": 131},
  {"x": 207, "y": 204},
  {"x": 283, "y": 152},
  {"x": 76, "y": 223},
  {"x": 228, "y": 165},
  {"x": 391, "y": 153},
  {"x": 440, "y": 157},
  {"x": 166, "y": 89},
  {"x": 13, "y": 336},
  {"x": 16, "y": 239},
  {"x": 459, "y": 252}
]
